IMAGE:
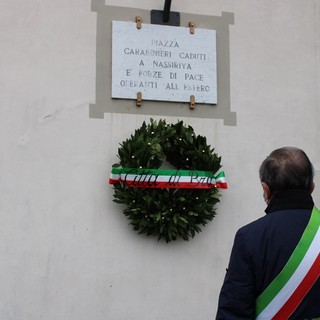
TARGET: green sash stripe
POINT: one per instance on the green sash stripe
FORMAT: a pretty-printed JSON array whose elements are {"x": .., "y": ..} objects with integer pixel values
[{"x": 279, "y": 282}]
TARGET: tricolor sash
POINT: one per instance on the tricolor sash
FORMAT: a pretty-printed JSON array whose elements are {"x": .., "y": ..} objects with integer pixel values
[
  {"x": 159, "y": 178},
  {"x": 284, "y": 294}
]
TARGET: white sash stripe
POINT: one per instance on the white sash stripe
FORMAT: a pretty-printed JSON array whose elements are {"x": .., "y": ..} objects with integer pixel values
[
  {"x": 131, "y": 177},
  {"x": 279, "y": 300},
  {"x": 114, "y": 176}
]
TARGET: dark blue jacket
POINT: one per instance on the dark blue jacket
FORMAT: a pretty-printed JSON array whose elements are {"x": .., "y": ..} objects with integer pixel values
[{"x": 260, "y": 251}]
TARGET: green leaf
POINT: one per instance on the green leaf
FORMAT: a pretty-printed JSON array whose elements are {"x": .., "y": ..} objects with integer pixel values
[{"x": 183, "y": 219}]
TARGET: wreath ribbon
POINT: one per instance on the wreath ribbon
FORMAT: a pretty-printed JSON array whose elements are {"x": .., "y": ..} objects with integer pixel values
[{"x": 158, "y": 178}]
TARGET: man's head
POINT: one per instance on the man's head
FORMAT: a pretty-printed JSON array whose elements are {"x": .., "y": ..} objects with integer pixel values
[{"x": 286, "y": 168}]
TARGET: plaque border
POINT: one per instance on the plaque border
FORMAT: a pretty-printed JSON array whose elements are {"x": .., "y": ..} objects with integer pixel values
[{"x": 106, "y": 104}]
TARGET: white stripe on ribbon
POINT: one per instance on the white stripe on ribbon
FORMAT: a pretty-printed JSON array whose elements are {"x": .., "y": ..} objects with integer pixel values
[{"x": 131, "y": 177}]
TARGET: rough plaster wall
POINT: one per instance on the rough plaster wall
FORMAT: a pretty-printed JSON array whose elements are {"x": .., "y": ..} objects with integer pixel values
[{"x": 66, "y": 251}]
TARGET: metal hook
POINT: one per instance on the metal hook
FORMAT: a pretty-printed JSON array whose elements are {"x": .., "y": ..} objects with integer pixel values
[
  {"x": 192, "y": 102},
  {"x": 138, "y": 21},
  {"x": 139, "y": 99}
]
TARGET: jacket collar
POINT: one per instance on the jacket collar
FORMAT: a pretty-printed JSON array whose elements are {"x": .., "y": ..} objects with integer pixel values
[{"x": 290, "y": 199}]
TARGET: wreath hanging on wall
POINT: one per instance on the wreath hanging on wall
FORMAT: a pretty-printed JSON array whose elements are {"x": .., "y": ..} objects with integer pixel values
[{"x": 166, "y": 180}]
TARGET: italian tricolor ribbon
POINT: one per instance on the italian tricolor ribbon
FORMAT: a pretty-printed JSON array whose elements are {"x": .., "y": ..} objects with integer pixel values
[
  {"x": 158, "y": 178},
  {"x": 287, "y": 290}
]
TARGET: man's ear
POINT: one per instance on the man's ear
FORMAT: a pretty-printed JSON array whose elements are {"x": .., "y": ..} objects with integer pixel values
[
  {"x": 266, "y": 192},
  {"x": 312, "y": 187}
]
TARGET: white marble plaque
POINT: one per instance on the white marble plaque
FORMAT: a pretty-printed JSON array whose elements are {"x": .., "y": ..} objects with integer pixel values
[{"x": 163, "y": 63}]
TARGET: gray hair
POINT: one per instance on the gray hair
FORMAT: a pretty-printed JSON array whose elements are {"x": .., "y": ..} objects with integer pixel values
[{"x": 286, "y": 169}]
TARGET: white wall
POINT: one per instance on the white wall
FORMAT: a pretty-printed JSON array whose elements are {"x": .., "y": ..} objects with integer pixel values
[{"x": 66, "y": 250}]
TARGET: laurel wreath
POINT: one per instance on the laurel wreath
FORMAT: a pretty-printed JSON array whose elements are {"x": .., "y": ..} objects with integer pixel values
[{"x": 167, "y": 213}]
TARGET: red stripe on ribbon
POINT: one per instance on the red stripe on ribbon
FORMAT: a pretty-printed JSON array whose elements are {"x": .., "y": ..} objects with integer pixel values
[{"x": 295, "y": 299}]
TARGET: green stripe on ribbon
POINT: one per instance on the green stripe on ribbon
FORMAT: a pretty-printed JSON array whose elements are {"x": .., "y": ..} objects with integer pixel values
[{"x": 283, "y": 277}]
